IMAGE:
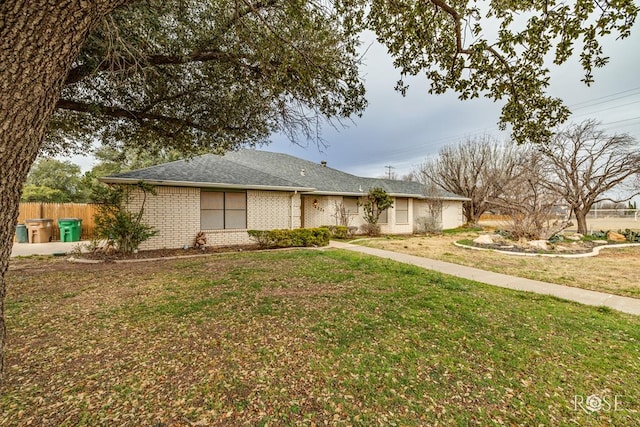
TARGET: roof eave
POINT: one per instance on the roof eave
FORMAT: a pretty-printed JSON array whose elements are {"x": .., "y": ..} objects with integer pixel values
[
  {"x": 364, "y": 193},
  {"x": 336, "y": 193},
  {"x": 171, "y": 183}
]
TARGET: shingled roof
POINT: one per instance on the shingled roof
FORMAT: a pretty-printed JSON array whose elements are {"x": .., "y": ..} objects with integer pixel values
[{"x": 262, "y": 170}]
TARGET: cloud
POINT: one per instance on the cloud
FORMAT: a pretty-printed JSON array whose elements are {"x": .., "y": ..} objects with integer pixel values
[{"x": 402, "y": 131}]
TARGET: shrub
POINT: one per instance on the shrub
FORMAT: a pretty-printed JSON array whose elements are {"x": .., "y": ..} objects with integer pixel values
[
  {"x": 556, "y": 238},
  {"x": 504, "y": 233},
  {"x": 377, "y": 201},
  {"x": 370, "y": 229},
  {"x": 114, "y": 222},
  {"x": 284, "y": 238},
  {"x": 428, "y": 224},
  {"x": 338, "y": 231},
  {"x": 261, "y": 237},
  {"x": 341, "y": 214},
  {"x": 631, "y": 236},
  {"x": 599, "y": 235}
]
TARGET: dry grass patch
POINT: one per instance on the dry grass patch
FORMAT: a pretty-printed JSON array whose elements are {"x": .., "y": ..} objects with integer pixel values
[{"x": 614, "y": 270}]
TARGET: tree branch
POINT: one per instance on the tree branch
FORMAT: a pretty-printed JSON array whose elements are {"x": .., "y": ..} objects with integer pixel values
[
  {"x": 80, "y": 72},
  {"x": 457, "y": 20},
  {"x": 141, "y": 117}
]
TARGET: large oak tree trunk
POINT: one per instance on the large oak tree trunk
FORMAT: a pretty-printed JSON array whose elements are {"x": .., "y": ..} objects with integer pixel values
[{"x": 39, "y": 39}]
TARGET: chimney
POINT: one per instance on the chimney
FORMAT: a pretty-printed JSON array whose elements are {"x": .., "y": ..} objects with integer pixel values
[{"x": 323, "y": 163}]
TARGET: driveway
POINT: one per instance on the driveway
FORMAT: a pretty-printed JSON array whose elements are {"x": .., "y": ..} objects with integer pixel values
[{"x": 51, "y": 248}]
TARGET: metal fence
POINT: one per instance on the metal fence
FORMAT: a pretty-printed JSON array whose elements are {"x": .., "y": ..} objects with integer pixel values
[
  {"x": 614, "y": 213},
  {"x": 56, "y": 211}
]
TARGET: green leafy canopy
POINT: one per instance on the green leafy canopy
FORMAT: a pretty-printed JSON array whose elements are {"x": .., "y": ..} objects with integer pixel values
[
  {"x": 52, "y": 180},
  {"x": 210, "y": 75},
  {"x": 499, "y": 48}
]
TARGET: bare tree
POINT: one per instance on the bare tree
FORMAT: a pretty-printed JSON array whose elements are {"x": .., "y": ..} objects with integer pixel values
[
  {"x": 527, "y": 201},
  {"x": 432, "y": 222},
  {"x": 475, "y": 169},
  {"x": 583, "y": 165},
  {"x": 341, "y": 214}
]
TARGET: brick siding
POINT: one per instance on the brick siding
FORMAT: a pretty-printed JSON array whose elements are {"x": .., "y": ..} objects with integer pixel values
[{"x": 174, "y": 212}]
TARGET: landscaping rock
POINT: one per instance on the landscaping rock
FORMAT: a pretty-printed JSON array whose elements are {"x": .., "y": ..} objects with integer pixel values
[
  {"x": 539, "y": 244},
  {"x": 615, "y": 237},
  {"x": 574, "y": 237},
  {"x": 484, "y": 239},
  {"x": 600, "y": 242}
]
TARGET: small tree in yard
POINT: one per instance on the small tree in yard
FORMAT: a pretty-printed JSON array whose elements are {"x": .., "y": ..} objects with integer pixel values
[
  {"x": 341, "y": 214},
  {"x": 377, "y": 202},
  {"x": 526, "y": 200},
  {"x": 432, "y": 223},
  {"x": 116, "y": 223}
]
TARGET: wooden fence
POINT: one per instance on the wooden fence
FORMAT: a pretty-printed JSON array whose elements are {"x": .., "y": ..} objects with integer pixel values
[
  {"x": 56, "y": 211},
  {"x": 492, "y": 217}
]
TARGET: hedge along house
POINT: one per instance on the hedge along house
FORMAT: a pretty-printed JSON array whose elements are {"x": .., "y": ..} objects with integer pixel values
[{"x": 224, "y": 196}]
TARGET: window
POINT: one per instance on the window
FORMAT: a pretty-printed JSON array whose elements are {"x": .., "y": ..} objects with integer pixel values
[
  {"x": 221, "y": 210},
  {"x": 402, "y": 210},
  {"x": 384, "y": 217},
  {"x": 350, "y": 205}
]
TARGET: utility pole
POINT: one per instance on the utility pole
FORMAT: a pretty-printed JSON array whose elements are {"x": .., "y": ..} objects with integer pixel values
[{"x": 389, "y": 172}]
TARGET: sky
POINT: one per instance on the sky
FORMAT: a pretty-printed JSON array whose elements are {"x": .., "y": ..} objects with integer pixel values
[{"x": 401, "y": 132}]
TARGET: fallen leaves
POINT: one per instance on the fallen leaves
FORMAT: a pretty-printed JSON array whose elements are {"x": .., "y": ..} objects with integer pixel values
[{"x": 306, "y": 337}]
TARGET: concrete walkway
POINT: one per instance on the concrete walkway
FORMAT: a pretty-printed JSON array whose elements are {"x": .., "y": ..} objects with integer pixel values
[
  {"x": 583, "y": 296},
  {"x": 27, "y": 249}
]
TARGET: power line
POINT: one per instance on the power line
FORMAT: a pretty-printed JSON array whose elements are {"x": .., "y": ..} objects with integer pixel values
[
  {"x": 573, "y": 106},
  {"x": 606, "y": 109},
  {"x": 621, "y": 121}
]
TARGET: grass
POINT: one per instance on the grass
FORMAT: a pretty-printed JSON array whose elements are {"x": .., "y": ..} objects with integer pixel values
[
  {"x": 613, "y": 271},
  {"x": 302, "y": 337},
  {"x": 461, "y": 230}
]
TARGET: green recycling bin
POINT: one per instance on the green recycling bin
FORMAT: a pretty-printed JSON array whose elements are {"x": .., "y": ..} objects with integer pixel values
[
  {"x": 22, "y": 235},
  {"x": 70, "y": 229}
]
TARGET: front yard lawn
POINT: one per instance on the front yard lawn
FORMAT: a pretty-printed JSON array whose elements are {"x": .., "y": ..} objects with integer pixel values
[
  {"x": 305, "y": 337},
  {"x": 614, "y": 271}
]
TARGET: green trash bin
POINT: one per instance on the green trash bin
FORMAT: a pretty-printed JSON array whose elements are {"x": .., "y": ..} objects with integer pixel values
[
  {"x": 22, "y": 235},
  {"x": 70, "y": 229}
]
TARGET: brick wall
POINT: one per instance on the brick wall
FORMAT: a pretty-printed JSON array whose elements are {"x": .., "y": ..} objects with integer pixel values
[
  {"x": 174, "y": 211},
  {"x": 267, "y": 210},
  {"x": 451, "y": 212},
  {"x": 227, "y": 237},
  {"x": 320, "y": 212}
]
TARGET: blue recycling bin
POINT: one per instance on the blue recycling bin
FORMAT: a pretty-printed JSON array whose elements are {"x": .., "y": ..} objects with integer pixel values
[{"x": 22, "y": 235}]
